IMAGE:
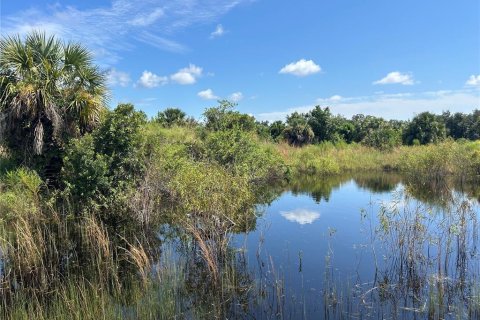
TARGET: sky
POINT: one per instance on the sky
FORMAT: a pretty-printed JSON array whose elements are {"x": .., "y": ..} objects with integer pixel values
[{"x": 392, "y": 59}]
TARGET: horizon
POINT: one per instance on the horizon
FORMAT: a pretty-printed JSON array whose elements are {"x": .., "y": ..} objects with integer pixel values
[{"x": 390, "y": 60}]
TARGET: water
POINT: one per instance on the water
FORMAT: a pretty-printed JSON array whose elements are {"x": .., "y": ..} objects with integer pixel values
[{"x": 364, "y": 247}]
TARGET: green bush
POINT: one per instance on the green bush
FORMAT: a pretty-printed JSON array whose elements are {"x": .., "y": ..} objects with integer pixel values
[
  {"x": 101, "y": 169},
  {"x": 311, "y": 160},
  {"x": 383, "y": 138},
  {"x": 243, "y": 154},
  {"x": 19, "y": 195}
]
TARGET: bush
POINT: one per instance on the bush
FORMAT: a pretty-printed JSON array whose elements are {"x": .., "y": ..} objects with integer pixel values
[
  {"x": 311, "y": 161},
  {"x": 383, "y": 138},
  {"x": 101, "y": 168},
  {"x": 243, "y": 154}
]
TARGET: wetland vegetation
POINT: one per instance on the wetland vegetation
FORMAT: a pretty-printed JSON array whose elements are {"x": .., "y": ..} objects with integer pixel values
[{"x": 106, "y": 214}]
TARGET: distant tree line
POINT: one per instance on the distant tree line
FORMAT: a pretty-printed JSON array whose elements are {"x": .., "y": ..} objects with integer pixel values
[{"x": 320, "y": 125}]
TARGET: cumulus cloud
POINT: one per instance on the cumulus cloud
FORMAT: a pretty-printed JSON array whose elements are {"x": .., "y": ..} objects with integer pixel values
[
  {"x": 396, "y": 77},
  {"x": 151, "y": 80},
  {"x": 301, "y": 216},
  {"x": 219, "y": 31},
  {"x": 187, "y": 75},
  {"x": 473, "y": 81},
  {"x": 118, "y": 78},
  {"x": 207, "y": 95},
  {"x": 236, "y": 96},
  {"x": 301, "y": 68}
]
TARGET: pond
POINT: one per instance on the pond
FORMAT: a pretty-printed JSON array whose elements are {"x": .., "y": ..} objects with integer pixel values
[{"x": 365, "y": 246}]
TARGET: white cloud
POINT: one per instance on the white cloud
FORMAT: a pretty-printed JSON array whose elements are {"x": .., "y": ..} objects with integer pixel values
[
  {"x": 187, "y": 75},
  {"x": 335, "y": 98},
  {"x": 118, "y": 78},
  {"x": 151, "y": 80},
  {"x": 301, "y": 68},
  {"x": 147, "y": 19},
  {"x": 396, "y": 77},
  {"x": 108, "y": 29},
  {"x": 207, "y": 95},
  {"x": 473, "y": 81},
  {"x": 391, "y": 106},
  {"x": 236, "y": 96},
  {"x": 219, "y": 31},
  {"x": 161, "y": 42},
  {"x": 301, "y": 216}
]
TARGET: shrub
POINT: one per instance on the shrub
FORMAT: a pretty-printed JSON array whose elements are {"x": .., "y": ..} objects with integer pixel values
[{"x": 243, "y": 154}]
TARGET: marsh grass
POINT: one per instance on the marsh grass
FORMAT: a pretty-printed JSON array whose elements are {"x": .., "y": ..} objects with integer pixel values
[
  {"x": 427, "y": 163},
  {"x": 431, "y": 266}
]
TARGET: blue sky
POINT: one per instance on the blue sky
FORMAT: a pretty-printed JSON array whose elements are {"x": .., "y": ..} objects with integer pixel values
[{"x": 386, "y": 58}]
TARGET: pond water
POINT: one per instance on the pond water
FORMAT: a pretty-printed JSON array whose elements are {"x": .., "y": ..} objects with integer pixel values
[{"x": 364, "y": 247}]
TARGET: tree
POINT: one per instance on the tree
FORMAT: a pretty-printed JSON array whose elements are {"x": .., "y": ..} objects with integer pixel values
[
  {"x": 50, "y": 91},
  {"x": 223, "y": 117},
  {"x": 365, "y": 124},
  {"x": 385, "y": 137},
  {"x": 320, "y": 121},
  {"x": 100, "y": 167},
  {"x": 170, "y": 117},
  {"x": 473, "y": 130},
  {"x": 342, "y": 128},
  {"x": 424, "y": 128},
  {"x": 298, "y": 132},
  {"x": 276, "y": 129}
]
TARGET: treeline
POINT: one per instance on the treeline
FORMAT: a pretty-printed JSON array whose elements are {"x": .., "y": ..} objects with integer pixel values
[{"x": 320, "y": 125}]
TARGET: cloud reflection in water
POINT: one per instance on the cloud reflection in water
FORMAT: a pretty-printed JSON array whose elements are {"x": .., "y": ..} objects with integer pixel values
[{"x": 301, "y": 216}]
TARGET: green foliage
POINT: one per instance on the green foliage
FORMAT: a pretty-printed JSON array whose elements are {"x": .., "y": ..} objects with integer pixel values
[
  {"x": 385, "y": 137},
  {"x": 170, "y": 117},
  {"x": 435, "y": 162},
  {"x": 263, "y": 130},
  {"x": 243, "y": 154},
  {"x": 276, "y": 130},
  {"x": 320, "y": 120},
  {"x": 119, "y": 139},
  {"x": 100, "y": 168},
  {"x": 19, "y": 195},
  {"x": 426, "y": 128},
  {"x": 223, "y": 117},
  {"x": 364, "y": 125},
  {"x": 460, "y": 125},
  {"x": 50, "y": 91},
  {"x": 298, "y": 132},
  {"x": 86, "y": 172},
  {"x": 311, "y": 161}
]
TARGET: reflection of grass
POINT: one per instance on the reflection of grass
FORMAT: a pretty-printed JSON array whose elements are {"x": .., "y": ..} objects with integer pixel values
[{"x": 431, "y": 257}]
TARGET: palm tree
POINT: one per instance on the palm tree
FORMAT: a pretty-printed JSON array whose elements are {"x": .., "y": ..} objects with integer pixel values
[{"x": 50, "y": 90}]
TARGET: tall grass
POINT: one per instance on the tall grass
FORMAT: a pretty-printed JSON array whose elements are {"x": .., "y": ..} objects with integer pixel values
[{"x": 433, "y": 162}]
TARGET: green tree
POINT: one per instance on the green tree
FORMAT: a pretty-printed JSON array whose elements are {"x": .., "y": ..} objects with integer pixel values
[
  {"x": 425, "y": 128},
  {"x": 100, "y": 167},
  {"x": 224, "y": 117},
  {"x": 50, "y": 91},
  {"x": 170, "y": 117},
  {"x": 384, "y": 137},
  {"x": 473, "y": 130},
  {"x": 298, "y": 132},
  {"x": 364, "y": 125},
  {"x": 276, "y": 129},
  {"x": 320, "y": 121}
]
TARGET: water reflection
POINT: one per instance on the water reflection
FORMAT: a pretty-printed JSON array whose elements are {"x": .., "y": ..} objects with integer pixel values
[
  {"x": 301, "y": 216},
  {"x": 386, "y": 248}
]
